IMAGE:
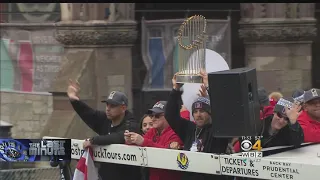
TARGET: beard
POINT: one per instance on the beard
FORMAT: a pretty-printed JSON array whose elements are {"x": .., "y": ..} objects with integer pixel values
[{"x": 204, "y": 120}]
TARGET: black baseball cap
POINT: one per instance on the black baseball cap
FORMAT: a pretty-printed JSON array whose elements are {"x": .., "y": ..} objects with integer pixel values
[
  {"x": 158, "y": 108},
  {"x": 297, "y": 93},
  {"x": 116, "y": 98},
  {"x": 311, "y": 94},
  {"x": 282, "y": 103}
]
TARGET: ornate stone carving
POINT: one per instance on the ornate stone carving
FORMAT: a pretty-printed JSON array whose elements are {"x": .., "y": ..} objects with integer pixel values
[
  {"x": 99, "y": 33},
  {"x": 279, "y": 31}
]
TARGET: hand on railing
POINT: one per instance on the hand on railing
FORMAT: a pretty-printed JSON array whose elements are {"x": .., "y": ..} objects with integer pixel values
[
  {"x": 133, "y": 138},
  {"x": 87, "y": 143},
  {"x": 174, "y": 145},
  {"x": 127, "y": 137},
  {"x": 136, "y": 138}
]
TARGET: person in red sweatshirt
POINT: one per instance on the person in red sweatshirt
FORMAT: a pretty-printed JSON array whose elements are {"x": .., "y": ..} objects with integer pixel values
[
  {"x": 160, "y": 136},
  {"x": 309, "y": 119}
]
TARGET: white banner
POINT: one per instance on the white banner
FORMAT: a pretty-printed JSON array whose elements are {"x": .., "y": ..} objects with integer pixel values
[
  {"x": 119, "y": 154},
  {"x": 299, "y": 164},
  {"x": 270, "y": 168},
  {"x": 183, "y": 160}
]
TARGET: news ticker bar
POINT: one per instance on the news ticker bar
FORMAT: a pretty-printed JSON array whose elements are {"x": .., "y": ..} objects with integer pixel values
[{"x": 32, "y": 150}]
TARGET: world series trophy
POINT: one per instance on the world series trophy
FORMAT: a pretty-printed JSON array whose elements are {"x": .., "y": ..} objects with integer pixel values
[{"x": 191, "y": 49}]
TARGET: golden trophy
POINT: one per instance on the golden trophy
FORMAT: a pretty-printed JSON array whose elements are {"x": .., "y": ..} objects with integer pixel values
[{"x": 191, "y": 49}]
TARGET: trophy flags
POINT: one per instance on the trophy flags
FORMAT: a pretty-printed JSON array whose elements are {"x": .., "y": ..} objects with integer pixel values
[{"x": 214, "y": 63}]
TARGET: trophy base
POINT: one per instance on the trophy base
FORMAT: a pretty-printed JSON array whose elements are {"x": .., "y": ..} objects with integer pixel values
[{"x": 189, "y": 79}]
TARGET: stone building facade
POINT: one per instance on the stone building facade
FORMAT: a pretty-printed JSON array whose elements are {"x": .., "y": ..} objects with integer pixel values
[
  {"x": 276, "y": 39},
  {"x": 27, "y": 112},
  {"x": 97, "y": 54}
]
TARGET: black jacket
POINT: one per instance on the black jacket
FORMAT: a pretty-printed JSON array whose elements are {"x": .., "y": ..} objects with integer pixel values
[
  {"x": 98, "y": 122},
  {"x": 288, "y": 135},
  {"x": 186, "y": 131}
]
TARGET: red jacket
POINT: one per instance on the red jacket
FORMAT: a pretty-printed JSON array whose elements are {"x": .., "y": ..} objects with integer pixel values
[
  {"x": 185, "y": 114},
  {"x": 273, "y": 102},
  {"x": 267, "y": 111},
  {"x": 236, "y": 147},
  {"x": 152, "y": 139},
  {"x": 310, "y": 127}
]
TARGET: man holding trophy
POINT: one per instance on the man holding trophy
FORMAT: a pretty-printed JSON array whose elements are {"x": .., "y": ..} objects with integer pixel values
[{"x": 198, "y": 136}]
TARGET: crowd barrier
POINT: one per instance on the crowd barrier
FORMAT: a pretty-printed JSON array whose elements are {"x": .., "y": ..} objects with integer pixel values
[{"x": 297, "y": 164}]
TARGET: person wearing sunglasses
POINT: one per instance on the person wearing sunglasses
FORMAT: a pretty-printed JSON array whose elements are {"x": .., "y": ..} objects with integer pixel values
[
  {"x": 160, "y": 136},
  {"x": 309, "y": 119},
  {"x": 281, "y": 128}
]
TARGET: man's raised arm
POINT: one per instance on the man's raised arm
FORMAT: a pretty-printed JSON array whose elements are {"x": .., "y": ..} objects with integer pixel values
[
  {"x": 93, "y": 118},
  {"x": 172, "y": 112}
]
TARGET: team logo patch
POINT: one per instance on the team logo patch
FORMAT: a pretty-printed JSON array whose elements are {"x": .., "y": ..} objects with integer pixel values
[
  {"x": 314, "y": 92},
  {"x": 198, "y": 105},
  {"x": 158, "y": 105},
  {"x": 112, "y": 94},
  {"x": 183, "y": 161}
]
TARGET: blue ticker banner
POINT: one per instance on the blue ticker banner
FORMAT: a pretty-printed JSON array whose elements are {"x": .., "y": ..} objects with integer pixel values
[{"x": 31, "y": 150}]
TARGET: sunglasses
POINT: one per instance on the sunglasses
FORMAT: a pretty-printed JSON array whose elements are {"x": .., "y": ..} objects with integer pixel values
[
  {"x": 282, "y": 116},
  {"x": 156, "y": 116}
]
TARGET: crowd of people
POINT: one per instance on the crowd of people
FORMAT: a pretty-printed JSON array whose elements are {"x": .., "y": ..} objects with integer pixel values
[{"x": 285, "y": 121}]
